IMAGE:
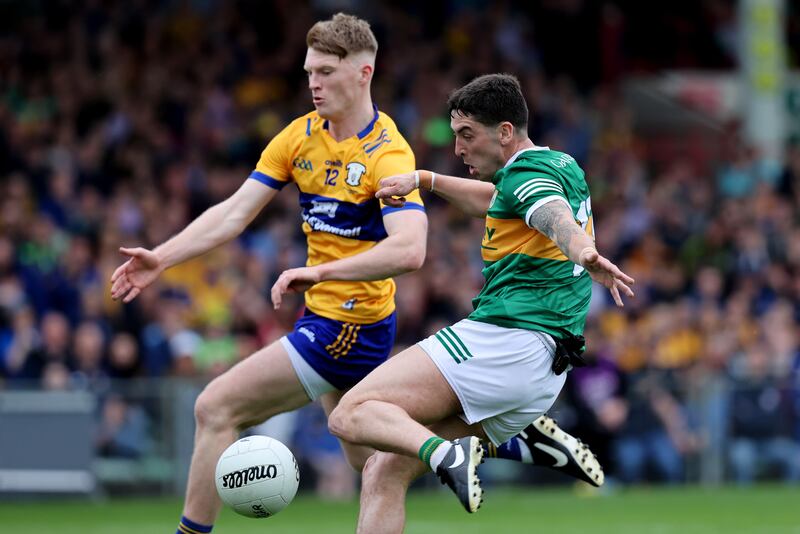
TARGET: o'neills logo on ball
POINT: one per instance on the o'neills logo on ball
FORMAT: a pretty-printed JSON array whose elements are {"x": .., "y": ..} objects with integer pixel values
[{"x": 237, "y": 479}]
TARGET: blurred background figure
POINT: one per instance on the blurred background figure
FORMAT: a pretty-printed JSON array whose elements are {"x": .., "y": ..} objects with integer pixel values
[
  {"x": 123, "y": 431},
  {"x": 763, "y": 420}
]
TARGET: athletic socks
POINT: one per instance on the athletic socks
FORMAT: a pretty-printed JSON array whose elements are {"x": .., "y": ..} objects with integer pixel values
[
  {"x": 433, "y": 451},
  {"x": 514, "y": 449},
  {"x": 187, "y": 526}
]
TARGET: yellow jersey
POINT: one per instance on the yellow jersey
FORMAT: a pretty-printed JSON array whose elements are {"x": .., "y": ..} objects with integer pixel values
[{"x": 341, "y": 216}]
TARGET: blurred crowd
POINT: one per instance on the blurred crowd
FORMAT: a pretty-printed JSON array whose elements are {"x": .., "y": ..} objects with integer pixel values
[{"x": 122, "y": 121}]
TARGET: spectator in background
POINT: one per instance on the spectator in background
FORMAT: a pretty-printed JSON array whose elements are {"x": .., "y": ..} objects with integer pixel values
[
  {"x": 89, "y": 353},
  {"x": 315, "y": 446},
  {"x": 54, "y": 347},
  {"x": 124, "y": 429},
  {"x": 18, "y": 340},
  {"x": 55, "y": 377},
  {"x": 123, "y": 356},
  {"x": 596, "y": 392},
  {"x": 762, "y": 419}
]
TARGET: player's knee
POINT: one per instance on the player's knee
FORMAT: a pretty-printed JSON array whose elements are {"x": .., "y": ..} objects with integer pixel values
[
  {"x": 211, "y": 413},
  {"x": 340, "y": 422}
]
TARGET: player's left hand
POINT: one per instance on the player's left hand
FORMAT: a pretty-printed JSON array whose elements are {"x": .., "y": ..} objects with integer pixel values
[
  {"x": 603, "y": 271},
  {"x": 293, "y": 281},
  {"x": 393, "y": 189}
]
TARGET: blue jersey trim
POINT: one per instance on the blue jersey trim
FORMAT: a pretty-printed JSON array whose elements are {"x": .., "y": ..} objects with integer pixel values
[
  {"x": 267, "y": 180},
  {"x": 363, "y": 133},
  {"x": 386, "y": 210},
  {"x": 375, "y": 143}
]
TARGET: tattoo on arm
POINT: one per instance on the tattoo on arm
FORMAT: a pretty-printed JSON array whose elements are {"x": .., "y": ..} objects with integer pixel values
[{"x": 555, "y": 220}]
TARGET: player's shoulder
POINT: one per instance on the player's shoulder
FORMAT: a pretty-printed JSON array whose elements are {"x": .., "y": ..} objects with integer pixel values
[
  {"x": 542, "y": 162},
  {"x": 306, "y": 125},
  {"x": 298, "y": 130},
  {"x": 544, "y": 159},
  {"x": 384, "y": 121},
  {"x": 383, "y": 136}
]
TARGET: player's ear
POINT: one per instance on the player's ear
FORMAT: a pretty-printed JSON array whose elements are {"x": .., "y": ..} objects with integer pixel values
[
  {"x": 366, "y": 73},
  {"x": 505, "y": 132}
]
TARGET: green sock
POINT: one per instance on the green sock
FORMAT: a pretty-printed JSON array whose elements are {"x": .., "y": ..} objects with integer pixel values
[{"x": 428, "y": 447}]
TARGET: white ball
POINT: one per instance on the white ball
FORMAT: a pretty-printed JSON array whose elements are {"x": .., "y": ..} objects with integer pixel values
[{"x": 257, "y": 476}]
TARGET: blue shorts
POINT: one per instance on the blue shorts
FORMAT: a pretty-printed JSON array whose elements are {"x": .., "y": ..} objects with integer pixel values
[{"x": 341, "y": 353}]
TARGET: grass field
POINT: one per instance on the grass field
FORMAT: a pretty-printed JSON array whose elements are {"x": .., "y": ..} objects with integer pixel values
[{"x": 684, "y": 510}]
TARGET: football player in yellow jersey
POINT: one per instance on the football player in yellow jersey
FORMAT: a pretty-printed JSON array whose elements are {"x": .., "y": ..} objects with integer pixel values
[{"x": 336, "y": 156}]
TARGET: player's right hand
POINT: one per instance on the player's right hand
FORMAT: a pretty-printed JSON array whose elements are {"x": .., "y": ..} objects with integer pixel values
[
  {"x": 130, "y": 278},
  {"x": 393, "y": 190},
  {"x": 604, "y": 272}
]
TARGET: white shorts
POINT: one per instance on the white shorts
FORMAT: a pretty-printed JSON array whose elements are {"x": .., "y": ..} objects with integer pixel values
[
  {"x": 312, "y": 381},
  {"x": 502, "y": 376}
]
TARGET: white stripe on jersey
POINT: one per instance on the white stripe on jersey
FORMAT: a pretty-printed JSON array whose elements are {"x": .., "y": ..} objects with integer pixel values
[
  {"x": 537, "y": 181},
  {"x": 529, "y": 192}
]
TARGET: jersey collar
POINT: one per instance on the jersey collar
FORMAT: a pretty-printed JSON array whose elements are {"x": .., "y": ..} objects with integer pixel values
[
  {"x": 365, "y": 132},
  {"x": 513, "y": 158}
]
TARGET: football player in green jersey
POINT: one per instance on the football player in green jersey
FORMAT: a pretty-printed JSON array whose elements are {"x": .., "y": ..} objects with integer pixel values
[{"x": 490, "y": 375}]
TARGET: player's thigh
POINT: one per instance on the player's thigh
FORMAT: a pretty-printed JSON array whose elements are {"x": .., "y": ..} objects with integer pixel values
[
  {"x": 411, "y": 381},
  {"x": 258, "y": 387},
  {"x": 356, "y": 455}
]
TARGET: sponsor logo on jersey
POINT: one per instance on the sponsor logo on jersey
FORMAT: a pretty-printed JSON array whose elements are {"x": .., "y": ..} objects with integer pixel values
[
  {"x": 318, "y": 225},
  {"x": 333, "y": 163},
  {"x": 355, "y": 171},
  {"x": 562, "y": 161},
  {"x": 302, "y": 164},
  {"x": 324, "y": 208}
]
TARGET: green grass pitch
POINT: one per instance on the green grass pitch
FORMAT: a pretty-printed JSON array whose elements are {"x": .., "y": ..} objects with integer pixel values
[{"x": 683, "y": 510}]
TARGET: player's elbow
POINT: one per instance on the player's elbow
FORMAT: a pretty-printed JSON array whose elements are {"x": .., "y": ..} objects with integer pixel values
[{"x": 414, "y": 258}]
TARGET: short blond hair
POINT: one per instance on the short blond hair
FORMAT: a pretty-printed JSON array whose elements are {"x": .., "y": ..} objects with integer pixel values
[{"x": 342, "y": 35}]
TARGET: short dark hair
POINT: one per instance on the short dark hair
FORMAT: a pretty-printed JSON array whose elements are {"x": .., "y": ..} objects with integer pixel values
[{"x": 490, "y": 100}]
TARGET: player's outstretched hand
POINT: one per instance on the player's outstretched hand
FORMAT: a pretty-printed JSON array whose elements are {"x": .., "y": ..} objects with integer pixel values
[
  {"x": 603, "y": 271},
  {"x": 393, "y": 190},
  {"x": 130, "y": 278},
  {"x": 293, "y": 281}
]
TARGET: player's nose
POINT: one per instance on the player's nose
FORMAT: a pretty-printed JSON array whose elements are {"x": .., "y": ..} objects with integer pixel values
[{"x": 459, "y": 149}]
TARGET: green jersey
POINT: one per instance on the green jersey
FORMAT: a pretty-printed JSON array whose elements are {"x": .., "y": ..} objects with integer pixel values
[{"x": 530, "y": 283}]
